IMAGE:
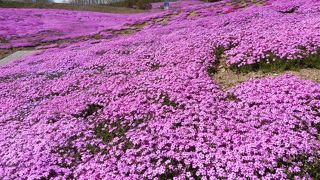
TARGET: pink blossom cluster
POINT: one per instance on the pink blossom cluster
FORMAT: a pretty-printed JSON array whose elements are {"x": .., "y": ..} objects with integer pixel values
[
  {"x": 265, "y": 31},
  {"x": 143, "y": 106},
  {"x": 261, "y": 32}
]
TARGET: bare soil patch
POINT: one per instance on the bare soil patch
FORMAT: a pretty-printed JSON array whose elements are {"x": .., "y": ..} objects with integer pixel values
[{"x": 227, "y": 78}]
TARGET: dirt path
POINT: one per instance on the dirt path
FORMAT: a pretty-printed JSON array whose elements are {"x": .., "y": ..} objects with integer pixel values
[{"x": 16, "y": 55}]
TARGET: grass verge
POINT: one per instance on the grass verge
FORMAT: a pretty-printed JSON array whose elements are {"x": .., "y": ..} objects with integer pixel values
[{"x": 95, "y": 8}]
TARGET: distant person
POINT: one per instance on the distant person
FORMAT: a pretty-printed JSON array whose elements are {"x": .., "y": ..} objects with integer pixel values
[{"x": 166, "y": 5}]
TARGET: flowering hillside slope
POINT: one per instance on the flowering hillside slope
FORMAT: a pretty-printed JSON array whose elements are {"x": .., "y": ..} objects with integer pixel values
[
  {"x": 29, "y": 27},
  {"x": 144, "y": 106}
]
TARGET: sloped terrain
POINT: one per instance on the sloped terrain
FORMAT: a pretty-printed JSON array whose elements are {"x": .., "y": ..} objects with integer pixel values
[
  {"x": 31, "y": 27},
  {"x": 145, "y": 105}
]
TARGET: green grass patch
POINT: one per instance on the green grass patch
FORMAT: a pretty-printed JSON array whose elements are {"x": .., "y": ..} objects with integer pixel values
[
  {"x": 167, "y": 101},
  {"x": 90, "y": 110},
  {"x": 232, "y": 97},
  {"x": 103, "y": 132},
  {"x": 76, "y": 7},
  {"x": 193, "y": 14},
  {"x": 125, "y": 31},
  {"x": 155, "y": 66},
  {"x": 107, "y": 131},
  {"x": 218, "y": 52},
  {"x": 165, "y": 21},
  {"x": 280, "y": 65},
  {"x": 140, "y": 25}
]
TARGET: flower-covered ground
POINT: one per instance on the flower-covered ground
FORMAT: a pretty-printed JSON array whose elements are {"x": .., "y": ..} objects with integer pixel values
[
  {"x": 30, "y": 27},
  {"x": 144, "y": 105}
]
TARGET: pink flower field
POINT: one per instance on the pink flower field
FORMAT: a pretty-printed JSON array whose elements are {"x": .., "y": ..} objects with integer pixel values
[
  {"x": 29, "y": 27},
  {"x": 144, "y": 105}
]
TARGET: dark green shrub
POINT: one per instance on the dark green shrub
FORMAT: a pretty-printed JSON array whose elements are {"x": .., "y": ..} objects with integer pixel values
[{"x": 144, "y": 4}]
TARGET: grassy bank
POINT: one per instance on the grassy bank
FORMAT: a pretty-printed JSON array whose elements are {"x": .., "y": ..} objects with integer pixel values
[{"x": 96, "y": 8}]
